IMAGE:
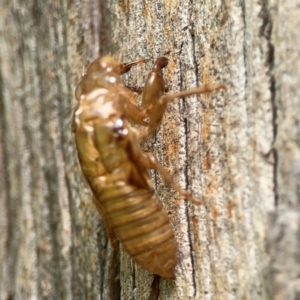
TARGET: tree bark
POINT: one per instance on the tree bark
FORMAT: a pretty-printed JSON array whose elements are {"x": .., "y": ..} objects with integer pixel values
[{"x": 237, "y": 150}]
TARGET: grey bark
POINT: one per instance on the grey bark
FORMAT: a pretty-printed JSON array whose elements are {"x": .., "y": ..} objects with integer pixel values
[{"x": 237, "y": 150}]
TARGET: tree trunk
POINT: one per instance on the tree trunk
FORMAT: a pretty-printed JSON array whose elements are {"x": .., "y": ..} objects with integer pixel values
[{"x": 237, "y": 150}]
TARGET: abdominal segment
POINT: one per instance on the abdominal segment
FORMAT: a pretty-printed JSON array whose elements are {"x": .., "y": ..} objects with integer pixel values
[{"x": 142, "y": 226}]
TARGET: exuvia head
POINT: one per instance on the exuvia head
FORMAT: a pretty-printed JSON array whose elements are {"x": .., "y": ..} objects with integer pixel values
[
  {"x": 101, "y": 64},
  {"x": 102, "y": 73}
]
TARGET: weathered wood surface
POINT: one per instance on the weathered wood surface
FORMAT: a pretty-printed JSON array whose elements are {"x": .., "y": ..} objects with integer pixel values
[{"x": 237, "y": 150}]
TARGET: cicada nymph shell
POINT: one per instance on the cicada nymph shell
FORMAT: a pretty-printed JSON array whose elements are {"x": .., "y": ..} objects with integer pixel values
[{"x": 115, "y": 167}]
